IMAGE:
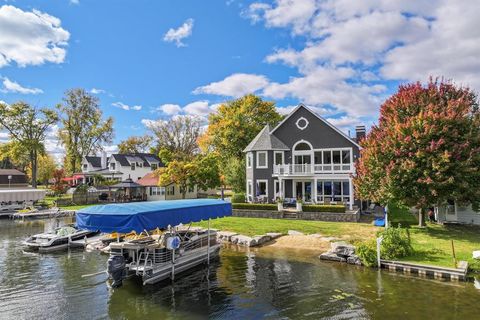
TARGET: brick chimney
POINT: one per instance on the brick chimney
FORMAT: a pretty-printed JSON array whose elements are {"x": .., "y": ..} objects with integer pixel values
[{"x": 360, "y": 133}]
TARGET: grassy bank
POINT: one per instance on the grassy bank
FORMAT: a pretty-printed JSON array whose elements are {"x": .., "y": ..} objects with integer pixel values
[
  {"x": 257, "y": 226},
  {"x": 433, "y": 244}
]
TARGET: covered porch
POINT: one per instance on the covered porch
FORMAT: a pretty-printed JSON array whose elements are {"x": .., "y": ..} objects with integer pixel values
[{"x": 318, "y": 190}]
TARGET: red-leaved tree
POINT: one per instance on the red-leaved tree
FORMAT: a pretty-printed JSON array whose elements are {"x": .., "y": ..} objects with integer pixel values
[
  {"x": 59, "y": 186},
  {"x": 425, "y": 149}
]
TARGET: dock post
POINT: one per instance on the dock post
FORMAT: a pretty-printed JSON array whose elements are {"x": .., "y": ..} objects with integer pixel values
[
  {"x": 208, "y": 243},
  {"x": 379, "y": 242},
  {"x": 173, "y": 264}
]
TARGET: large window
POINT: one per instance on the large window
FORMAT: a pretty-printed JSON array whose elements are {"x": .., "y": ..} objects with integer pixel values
[
  {"x": 262, "y": 188},
  {"x": 157, "y": 191},
  {"x": 336, "y": 191},
  {"x": 262, "y": 159},
  {"x": 333, "y": 160},
  {"x": 170, "y": 190}
]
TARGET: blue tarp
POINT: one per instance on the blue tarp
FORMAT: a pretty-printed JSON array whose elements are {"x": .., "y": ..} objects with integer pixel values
[{"x": 139, "y": 216}]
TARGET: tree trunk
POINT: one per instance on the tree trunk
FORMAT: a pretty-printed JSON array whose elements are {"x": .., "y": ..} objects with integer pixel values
[
  {"x": 33, "y": 160},
  {"x": 421, "y": 218}
]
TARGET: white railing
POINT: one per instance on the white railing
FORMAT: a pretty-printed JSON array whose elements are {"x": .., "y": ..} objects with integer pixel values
[{"x": 308, "y": 169}]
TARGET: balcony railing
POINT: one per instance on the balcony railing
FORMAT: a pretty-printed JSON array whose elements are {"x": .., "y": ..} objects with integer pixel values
[{"x": 309, "y": 169}]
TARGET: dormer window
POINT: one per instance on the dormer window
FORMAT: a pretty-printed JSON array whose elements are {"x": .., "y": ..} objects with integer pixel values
[
  {"x": 112, "y": 166},
  {"x": 85, "y": 167}
]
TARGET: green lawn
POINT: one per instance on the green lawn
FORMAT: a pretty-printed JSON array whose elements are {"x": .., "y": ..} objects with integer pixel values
[{"x": 258, "y": 226}]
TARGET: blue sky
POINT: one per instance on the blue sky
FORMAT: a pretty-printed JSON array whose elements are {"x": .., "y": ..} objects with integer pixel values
[{"x": 151, "y": 60}]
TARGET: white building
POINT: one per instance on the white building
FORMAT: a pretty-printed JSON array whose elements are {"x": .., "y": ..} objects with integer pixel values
[{"x": 118, "y": 166}]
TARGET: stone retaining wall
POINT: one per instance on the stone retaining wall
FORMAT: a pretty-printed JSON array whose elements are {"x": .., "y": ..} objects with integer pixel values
[{"x": 318, "y": 216}]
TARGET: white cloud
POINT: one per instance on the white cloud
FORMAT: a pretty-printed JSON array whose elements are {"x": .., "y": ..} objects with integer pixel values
[
  {"x": 170, "y": 109},
  {"x": 30, "y": 37},
  {"x": 352, "y": 46},
  {"x": 182, "y": 32},
  {"x": 344, "y": 123},
  {"x": 235, "y": 85},
  {"x": 198, "y": 108},
  {"x": 124, "y": 106},
  {"x": 452, "y": 48},
  {"x": 15, "y": 87},
  {"x": 75, "y": 1},
  {"x": 97, "y": 91}
]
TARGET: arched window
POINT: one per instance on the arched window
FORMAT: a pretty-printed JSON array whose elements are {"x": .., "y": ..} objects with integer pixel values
[{"x": 302, "y": 146}]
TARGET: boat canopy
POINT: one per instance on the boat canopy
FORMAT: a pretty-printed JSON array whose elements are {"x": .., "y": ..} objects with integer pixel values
[{"x": 139, "y": 216}]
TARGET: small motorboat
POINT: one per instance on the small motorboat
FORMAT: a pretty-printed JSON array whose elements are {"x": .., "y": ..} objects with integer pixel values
[{"x": 58, "y": 239}]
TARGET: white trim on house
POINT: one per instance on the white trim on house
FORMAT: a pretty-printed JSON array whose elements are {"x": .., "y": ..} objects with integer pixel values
[
  {"x": 249, "y": 192},
  {"x": 249, "y": 160},
  {"x": 266, "y": 160},
  {"x": 297, "y": 123},
  {"x": 319, "y": 117}
]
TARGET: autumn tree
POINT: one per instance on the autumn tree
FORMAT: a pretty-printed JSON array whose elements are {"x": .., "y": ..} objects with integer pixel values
[
  {"x": 84, "y": 130},
  {"x": 425, "y": 149},
  {"x": 202, "y": 171},
  {"x": 236, "y": 123},
  {"x": 13, "y": 156},
  {"x": 27, "y": 128},
  {"x": 135, "y": 144},
  {"x": 45, "y": 168},
  {"x": 59, "y": 186},
  {"x": 178, "y": 136}
]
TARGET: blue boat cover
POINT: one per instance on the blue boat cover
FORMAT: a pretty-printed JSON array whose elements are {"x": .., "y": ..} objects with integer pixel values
[{"x": 139, "y": 216}]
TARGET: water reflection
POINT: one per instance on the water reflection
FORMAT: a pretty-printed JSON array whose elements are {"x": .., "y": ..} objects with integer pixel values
[{"x": 242, "y": 284}]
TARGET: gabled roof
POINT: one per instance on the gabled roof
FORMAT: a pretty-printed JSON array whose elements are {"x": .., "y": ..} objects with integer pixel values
[
  {"x": 125, "y": 159},
  {"x": 301, "y": 105},
  {"x": 96, "y": 162},
  {"x": 265, "y": 141},
  {"x": 11, "y": 172}
]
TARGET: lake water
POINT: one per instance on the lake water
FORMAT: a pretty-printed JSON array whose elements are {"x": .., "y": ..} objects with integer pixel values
[{"x": 242, "y": 284}]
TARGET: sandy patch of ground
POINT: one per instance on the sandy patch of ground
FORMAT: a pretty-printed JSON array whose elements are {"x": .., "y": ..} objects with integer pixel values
[{"x": 305, "y": 242}]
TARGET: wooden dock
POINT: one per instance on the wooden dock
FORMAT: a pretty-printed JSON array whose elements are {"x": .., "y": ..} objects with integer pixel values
[
  {"x": 453, "y": 274},
  {"x": 44, "y": 214}
]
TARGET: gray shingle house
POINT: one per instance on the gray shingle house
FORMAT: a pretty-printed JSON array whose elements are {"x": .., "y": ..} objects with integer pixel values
[{"x": 304, "y": 157}]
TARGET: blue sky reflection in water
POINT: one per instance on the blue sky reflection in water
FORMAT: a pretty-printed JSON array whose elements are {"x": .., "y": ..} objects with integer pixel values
[{"x": 260, "y": 284}]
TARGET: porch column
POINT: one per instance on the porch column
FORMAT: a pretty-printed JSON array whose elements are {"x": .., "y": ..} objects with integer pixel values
[
  {"x": 350, "y": 187},
  {"x": 314, "y": 190},
  {"x": 280, "y": 187}
]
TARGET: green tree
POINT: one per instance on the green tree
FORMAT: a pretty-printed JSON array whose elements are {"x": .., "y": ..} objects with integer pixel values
[
  {"x": 135, "y": 144},
  {"x": 27, "y": 126},
  {"x": 234, "y": 125},
  {"x": 234, "y": 174},
  {"x": 201, "y": 171},
  {"x": 178, "y": 172},
  {"x": 83, "y": 129},
  {"x": 424, "y": 150},
  {"x": 179, "y": 136},
  {"x": 13, "y": 155},
  {"x": 45, "y": 168}
]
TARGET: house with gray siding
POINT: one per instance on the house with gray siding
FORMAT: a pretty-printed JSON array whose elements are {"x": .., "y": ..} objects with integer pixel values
[{"x": 303, "y": 157}]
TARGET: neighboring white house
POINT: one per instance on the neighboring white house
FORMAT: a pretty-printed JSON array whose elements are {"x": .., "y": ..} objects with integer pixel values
[
  {"x": 118, "y": 166},
  {"x": 169, "y": 192},
  {"x": 453, "y": 212}
]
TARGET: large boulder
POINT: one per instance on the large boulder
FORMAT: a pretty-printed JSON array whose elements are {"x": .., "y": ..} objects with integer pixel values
[
  {"x": 262, "y": 239},
  {"x": 331, "y": 256},
  {"x": 245, "y": 241},
  {"x": 225, "y": 236},
  {"x": 274, "y": 235},
  {"x": 354, "y": 259},
  {"x": 342, "y": 249}
]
